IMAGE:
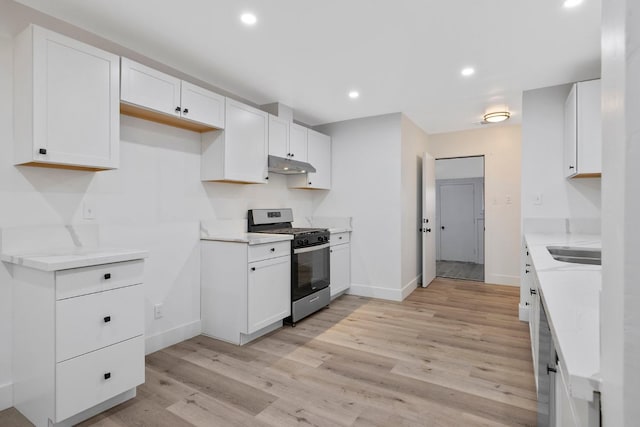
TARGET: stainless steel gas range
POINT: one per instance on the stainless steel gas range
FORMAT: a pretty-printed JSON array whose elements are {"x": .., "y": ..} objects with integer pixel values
[{"x": 310, "y": 268}]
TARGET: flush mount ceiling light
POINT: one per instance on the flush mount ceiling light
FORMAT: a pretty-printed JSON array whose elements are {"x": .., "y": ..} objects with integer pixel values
[
  {"x": 248, "y": 19},
  {"x": 497, "y": 117},
  {"x": 354, "y": 94},
  {"x": 571, "y": 3},
  {"x": 468, "y": 71}
]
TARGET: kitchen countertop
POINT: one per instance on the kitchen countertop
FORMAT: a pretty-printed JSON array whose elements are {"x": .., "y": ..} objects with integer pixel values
[
  {"x": 336, "y": 230},
  {"x": 571, "y": 294},
  {"x": 250, "y": 238},
  {"x": 63, "y": 259}
]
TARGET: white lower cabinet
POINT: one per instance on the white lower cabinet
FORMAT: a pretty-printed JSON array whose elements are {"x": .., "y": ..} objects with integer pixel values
[
  {"x": 78, "y": 340},
  {"x": 245, "y": 289},
  {"x": 268, "y": 299},
  {"x": 340, "y": 261}
]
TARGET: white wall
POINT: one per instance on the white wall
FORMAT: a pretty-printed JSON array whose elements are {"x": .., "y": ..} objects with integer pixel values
[
  {"x": 414, "y": 145},
  {"x": 620, "y": 296},
  {"x": 542, "y": 161},
  {"x": 154, "y": 201},
  {"x": 501, "y": 146},
  {"x": 464, "y": 167},
  {"x": 366, "y": 181}
]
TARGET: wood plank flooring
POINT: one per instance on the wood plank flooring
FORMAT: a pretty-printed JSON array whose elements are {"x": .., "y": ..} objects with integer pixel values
[{"x": 453, "y": 354}]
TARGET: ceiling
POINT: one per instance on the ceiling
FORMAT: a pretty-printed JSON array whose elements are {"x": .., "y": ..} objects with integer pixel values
[{"x": 401, "y": 55}]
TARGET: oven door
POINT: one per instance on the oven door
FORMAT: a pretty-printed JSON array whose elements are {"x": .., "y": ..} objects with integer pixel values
[{"x": 309, "y": 270}]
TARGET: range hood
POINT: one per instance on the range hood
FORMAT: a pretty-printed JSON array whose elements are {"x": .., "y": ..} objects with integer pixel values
[{"x": 288, "y": 166}]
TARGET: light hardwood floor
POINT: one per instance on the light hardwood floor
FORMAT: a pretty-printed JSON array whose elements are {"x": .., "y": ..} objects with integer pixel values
[{"x": 453, "y": 354}]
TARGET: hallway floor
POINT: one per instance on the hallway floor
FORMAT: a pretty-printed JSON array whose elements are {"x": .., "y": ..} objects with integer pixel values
[{"x": 460, "y": 270}]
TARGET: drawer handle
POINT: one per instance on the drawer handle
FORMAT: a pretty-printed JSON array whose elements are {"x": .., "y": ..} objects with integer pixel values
[
  {"x": 107, "y": 276},
  {"x": 340, "y": 238},
  {"x": 533, "y": 291},
  {"x": 107, "y": 375},
  {"x": 107, "y": 319},
  {"x": 314, "y": 299},
  {"x": 253, "y": 269},
  {"x": 273, "y": 249}
]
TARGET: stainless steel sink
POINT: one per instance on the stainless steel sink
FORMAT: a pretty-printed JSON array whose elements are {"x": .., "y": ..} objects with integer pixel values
[{"x": 575, "y": 255}]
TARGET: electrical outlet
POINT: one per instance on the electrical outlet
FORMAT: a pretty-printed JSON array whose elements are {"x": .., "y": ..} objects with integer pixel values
[
  {"x": 88, "y": 210},
  {"x": 157, "y": 311},
  {"x": 537, "y": 199},
  {"x": 508, "y": 200}
]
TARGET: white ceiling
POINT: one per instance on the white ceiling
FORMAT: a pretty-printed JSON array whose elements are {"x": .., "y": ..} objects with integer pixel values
[{"x": 402, "y": 55}]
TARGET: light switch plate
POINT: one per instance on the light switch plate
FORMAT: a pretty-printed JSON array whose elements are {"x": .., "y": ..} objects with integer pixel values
[
  {"x": 157, "y": 311},
  {"x": 537, "y": 199}
]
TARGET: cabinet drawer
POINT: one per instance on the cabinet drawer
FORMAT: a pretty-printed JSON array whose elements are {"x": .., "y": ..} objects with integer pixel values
[
  {"x": 340, "y": 238},
  {"x": 81, "y": 382},
  {"x": 86, "y": 280},
  {"x": 90, "y": 322},
  {"x": 269, "y": 250}
]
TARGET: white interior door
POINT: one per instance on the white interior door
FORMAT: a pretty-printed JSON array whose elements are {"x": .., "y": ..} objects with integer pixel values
[
  {"x": 457, "y": 223},
  {"x": 428, "y": 219}
]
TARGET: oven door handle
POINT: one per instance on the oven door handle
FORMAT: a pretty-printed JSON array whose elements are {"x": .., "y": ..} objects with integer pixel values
[{"x": 312, "y": 248}]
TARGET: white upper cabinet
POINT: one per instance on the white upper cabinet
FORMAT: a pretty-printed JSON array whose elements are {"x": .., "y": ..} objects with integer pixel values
[
  {"x": 319, "y": 156},
  {"x": 153, "y": 95},
  {"x": 583, "y": 130},
  {"x": 239, "y": 153},
  {"x": 298, "y": 142},
  {"x": 278, "y": 136},
  {"x": 149, "y": 88},
  {"x": 66, "y": 111},
  {"x": 287, "y": 139},
  {"x": 202, "y": 106}
]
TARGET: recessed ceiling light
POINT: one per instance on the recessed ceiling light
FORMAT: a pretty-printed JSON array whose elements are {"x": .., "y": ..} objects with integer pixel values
[
  {"x": 248, "y": 18},
  {"x": 571, "y": 3},
  {"x": 468, "y": 71},
  {"x": 354, "y": 94},
  {"x": 496, "y": 117}
]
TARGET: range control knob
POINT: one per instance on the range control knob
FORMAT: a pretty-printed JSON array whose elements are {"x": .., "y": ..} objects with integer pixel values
[
  {"x": 320, "y": 239},
  {"x": 299, "y": 242},
  {"x": 306, "y": 242}
]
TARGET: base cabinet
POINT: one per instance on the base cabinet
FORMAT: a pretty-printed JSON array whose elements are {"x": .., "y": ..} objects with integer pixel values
[
  {"x": 340, "y": 261},
  {"x": 245, "y": 289},
  {"x": 75, "y": 356}
]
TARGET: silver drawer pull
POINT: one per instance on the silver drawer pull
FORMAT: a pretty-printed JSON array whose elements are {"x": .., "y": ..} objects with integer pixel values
[{"x": 314, "y": 299}]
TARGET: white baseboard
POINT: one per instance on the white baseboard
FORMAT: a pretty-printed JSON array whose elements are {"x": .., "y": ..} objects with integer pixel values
[
  {"x": 410, "y": 287},
  {"x": 375, "y": 292},
  {"x": 6, "y": 396},
  {"x": 523, "y": 312},
  {"x": 172, "y": 336},
  {"x": 502, "y": 279}
]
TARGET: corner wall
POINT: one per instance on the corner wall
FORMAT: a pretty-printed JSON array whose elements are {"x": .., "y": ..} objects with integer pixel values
[
  {"x": 501, "y": 146},
  {"x": 366, "y": 185}
]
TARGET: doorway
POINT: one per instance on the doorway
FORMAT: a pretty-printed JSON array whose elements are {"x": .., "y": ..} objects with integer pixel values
[{"x": 459, "y": 230}]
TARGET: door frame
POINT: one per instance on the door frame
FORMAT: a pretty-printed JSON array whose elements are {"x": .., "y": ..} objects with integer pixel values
[{"x": 484, "y": 201}]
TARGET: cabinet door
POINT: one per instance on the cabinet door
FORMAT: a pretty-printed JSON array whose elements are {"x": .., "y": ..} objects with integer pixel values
[
  {"x": 246, "y": 143},
  {"x": 278, "y": 137},
  {"x": 268, "y": 293},
  {"x": 298, "y": 142},
  {"x": 149, "y": 88},
  {"x": 570, "y": 133},
  {"x": 202, "y": 106},
  {"x": 319, "y": 155},
  {"x": 589, "y": 128},
  {"x": 76, "y": 115},
  {"x": 340, "y": 268},
  {"x": 534, "y": 327}
]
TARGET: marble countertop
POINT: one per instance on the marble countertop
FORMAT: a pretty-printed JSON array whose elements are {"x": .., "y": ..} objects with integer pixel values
[
  {"x": 571, "y": 294},
  {"x": 63, "y": 259},
  {"x": 250, "y": 238},
  {"x": 335, "y": 230}
]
